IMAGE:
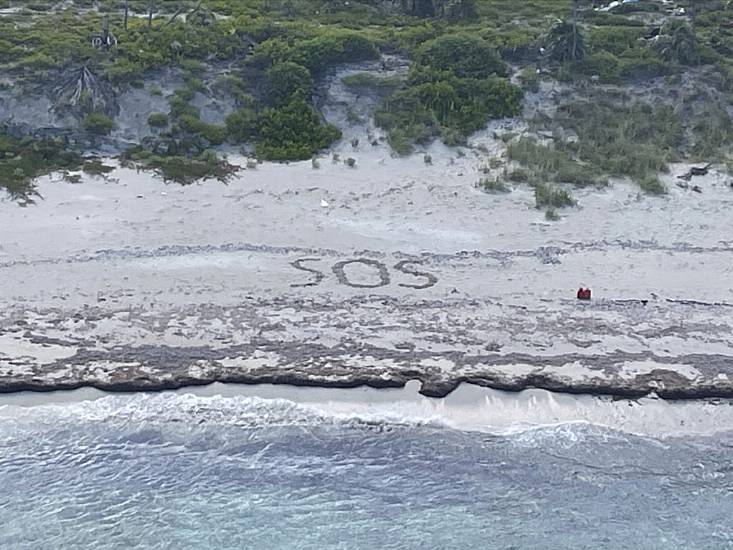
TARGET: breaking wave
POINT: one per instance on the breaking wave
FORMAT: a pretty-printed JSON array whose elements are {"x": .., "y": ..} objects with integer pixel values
[
  {"x": 532, "y": 414},
  {"x": 224, "y": 411}
]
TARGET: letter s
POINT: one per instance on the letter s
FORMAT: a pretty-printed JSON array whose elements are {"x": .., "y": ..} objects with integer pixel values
[
  {"x": 403, "y": 267},
  {"x": 319, "y": 276}
]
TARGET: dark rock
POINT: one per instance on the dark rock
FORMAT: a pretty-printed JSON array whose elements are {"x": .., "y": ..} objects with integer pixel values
[
  {"x": 700, "y": 171},
  {"x": 695, "y": 171}
]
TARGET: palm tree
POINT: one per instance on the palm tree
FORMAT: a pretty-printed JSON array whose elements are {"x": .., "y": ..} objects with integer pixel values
[
  {"x": 565, "y": 42},
  {"x": 677, "y": 43}
]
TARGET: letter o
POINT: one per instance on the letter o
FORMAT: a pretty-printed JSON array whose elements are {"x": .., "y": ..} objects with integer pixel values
[{"x": 340, "y": 272}]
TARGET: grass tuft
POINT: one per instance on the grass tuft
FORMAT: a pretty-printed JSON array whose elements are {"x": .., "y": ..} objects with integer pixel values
[{"x": 549, "y": 196}]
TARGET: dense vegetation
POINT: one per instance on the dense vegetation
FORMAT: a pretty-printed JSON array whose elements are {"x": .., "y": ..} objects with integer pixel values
[
  {"x": 274, "y": 54},
  {"x": 457, "y": 83},
  {"x": 22, "y": 160},
  {"x": 269, "y": 57}
]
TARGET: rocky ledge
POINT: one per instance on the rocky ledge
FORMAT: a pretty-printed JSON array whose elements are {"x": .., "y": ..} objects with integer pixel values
[{"x": 377, "y": 341}]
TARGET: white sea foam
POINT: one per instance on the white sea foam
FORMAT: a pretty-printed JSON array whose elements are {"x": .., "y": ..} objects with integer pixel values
[{"x": 469, "y": 408}]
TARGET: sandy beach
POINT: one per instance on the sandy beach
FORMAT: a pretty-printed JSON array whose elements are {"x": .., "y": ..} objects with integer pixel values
[{"x": 390, "y": 271}]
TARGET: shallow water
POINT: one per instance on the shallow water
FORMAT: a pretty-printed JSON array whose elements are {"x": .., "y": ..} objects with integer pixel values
[{"x": 178, "y": 471}]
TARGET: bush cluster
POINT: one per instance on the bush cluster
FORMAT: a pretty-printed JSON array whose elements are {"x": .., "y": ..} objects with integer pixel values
[{"x": 456, "y": 84}]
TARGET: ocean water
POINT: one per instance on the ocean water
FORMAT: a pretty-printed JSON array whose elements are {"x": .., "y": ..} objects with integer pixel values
[{"x": 181, "y": 471}]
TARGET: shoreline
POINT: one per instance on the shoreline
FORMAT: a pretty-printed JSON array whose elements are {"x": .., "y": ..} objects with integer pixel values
[
  {"x": 468, "y": 408},
  {"x": 437, "y": 388}
]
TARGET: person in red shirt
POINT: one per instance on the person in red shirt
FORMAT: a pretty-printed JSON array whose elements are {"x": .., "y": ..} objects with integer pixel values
[{"x": 584, "y": 293}]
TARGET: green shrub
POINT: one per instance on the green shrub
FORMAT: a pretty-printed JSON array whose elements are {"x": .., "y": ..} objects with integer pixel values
[
  {"x": 158, "y": 120},
  {"x": 293, "y": 132},
  {"x": 23, "y": 160},
  {"x": 463, "y": 55},
  {"x": 214, "y": 134},
  {"x": 183, "y": 170},
  {"x": 287, "y": 81},
  {"x": 552, "y": 215},
  {"x": 184, "y": 94},
  {"x": 193, "y": 85},
  {"x": 98, "y": 124},
  {"x": 180, "y": 107},
  {"x": 492, "y": 185}
]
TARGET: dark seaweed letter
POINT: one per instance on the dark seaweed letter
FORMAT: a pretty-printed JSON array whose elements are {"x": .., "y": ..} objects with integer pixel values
[
  {"x": 340, "y": 273},
  {"x": 319, "y": 276},
  {"x": 402, "y": 266}
]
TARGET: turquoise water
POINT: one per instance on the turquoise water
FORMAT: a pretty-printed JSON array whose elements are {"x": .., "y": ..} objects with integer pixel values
[{"x": 174, "y": 471}]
